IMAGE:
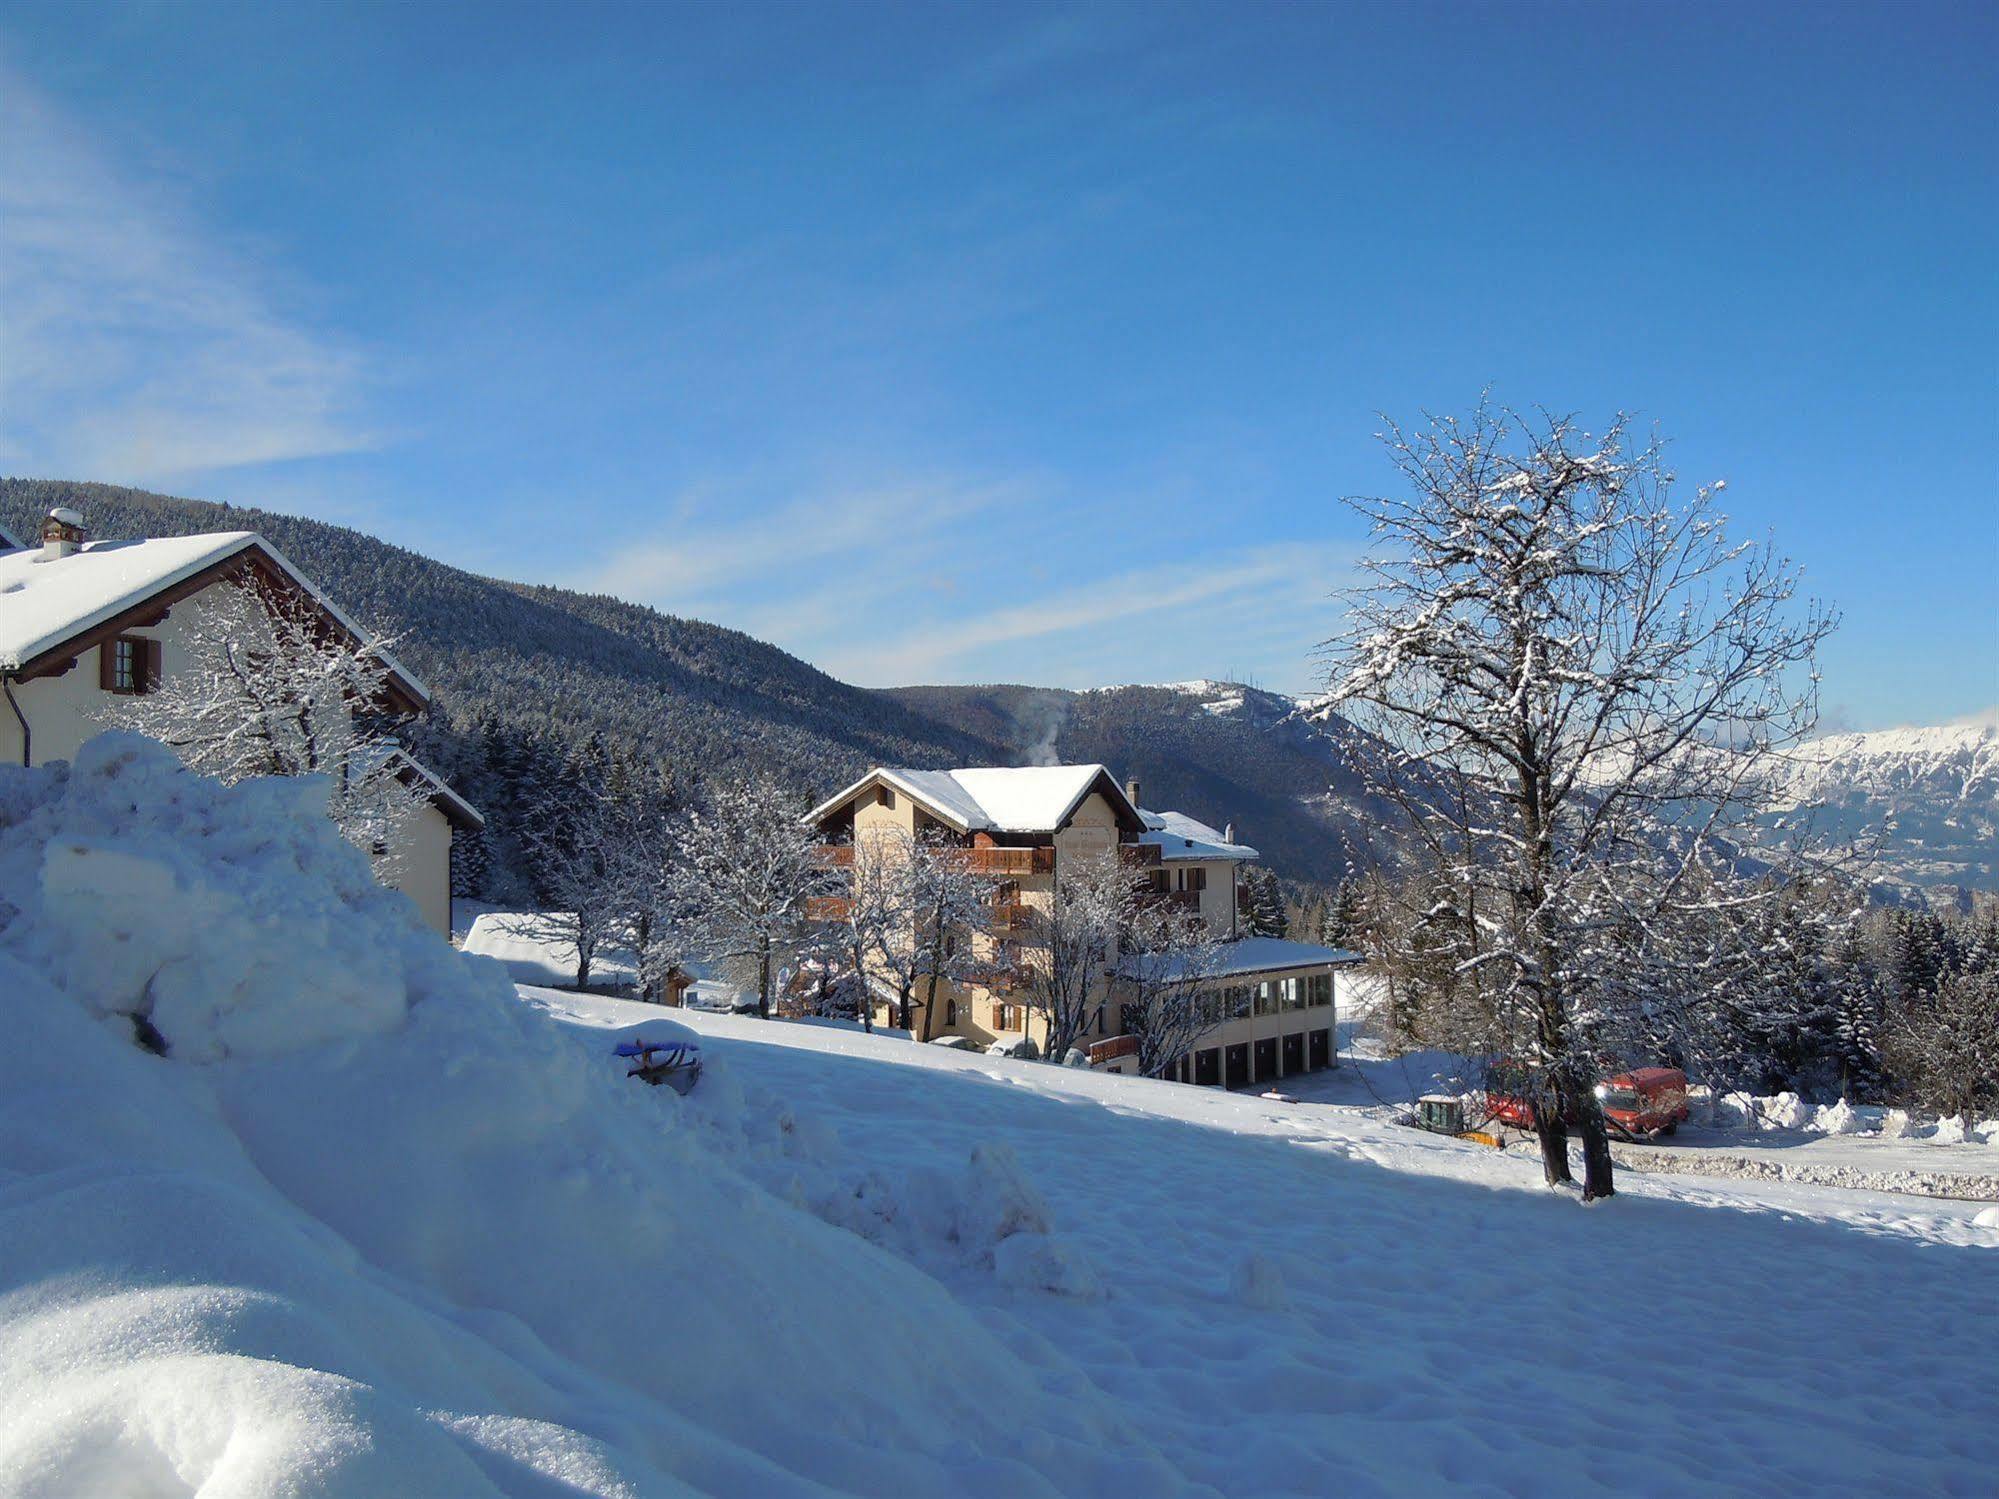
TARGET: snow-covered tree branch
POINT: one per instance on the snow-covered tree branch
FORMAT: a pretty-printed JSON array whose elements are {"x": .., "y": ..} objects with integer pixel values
[
  {"x": 1582, "y": 685},
  {"x": 743, "y": 872},
  {"x": 268, "y": 689}
]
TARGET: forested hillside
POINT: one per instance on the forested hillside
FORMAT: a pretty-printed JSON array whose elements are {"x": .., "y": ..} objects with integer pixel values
[{"x": 525, "y": 676}]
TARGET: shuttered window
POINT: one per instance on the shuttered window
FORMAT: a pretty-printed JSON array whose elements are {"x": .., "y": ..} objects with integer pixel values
[{"x": 128, "y": 664}]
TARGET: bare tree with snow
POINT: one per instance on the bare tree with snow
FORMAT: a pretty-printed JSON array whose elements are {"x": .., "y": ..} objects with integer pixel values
[
  {"x": 580, "y": 862},
  {"x": 1168, "y": 999},
  {"x": 952, "y": 903},
  {"x": 744, "y": 868},
  {"x": 872, "y": 906},
  {"x": 1614, "y": 678},
  {"x": 268, "y": 690},
  {"x": 1074, "y": 939}
]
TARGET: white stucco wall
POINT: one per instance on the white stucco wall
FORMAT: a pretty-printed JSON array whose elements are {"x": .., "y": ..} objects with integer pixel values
[
  {"x": 423, "y": 870},
  {"x": 64, "y": 711}
]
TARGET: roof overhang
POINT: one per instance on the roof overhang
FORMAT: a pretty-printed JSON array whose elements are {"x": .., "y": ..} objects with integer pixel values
[
  {"x": 1129, "y": 818},
  {"x": 883, "y": 776},
  {"x": 413, "y": 773}
]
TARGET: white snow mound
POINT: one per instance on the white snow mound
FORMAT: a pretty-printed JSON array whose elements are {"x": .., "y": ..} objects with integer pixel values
[{"x": 373, "y": 1226}]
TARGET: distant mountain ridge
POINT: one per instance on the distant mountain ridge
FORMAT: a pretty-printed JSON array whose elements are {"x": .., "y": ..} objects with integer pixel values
[
  {"x": 1932, "y": 795},
  {"x": 559, "y": 668}
]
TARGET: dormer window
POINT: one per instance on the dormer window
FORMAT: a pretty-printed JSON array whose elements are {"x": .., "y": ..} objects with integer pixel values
[{"x": 129, "y": 665}]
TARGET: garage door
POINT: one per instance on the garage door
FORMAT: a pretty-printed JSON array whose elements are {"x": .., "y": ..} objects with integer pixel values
[
  {"x": 1294, "y": 1053},
  {"x": 1266, "y": 1058},
  {"x": 1322, "y": 1048},
  {"x": 1208, "y": 1067},
  {"x": 1238, "y": 1065}
]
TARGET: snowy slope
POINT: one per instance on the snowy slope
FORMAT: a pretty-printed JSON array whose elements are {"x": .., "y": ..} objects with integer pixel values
[
  {"x": 378, "y": 1225},
  {"x": 1307, "y": 1301}
]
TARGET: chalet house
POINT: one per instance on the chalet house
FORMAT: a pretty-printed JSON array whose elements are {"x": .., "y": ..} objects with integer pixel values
[
  {"x": 1276, "y": 998},
  {"x": 83, "y": 620}
]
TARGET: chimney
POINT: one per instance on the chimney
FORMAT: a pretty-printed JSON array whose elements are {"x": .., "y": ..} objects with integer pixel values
[
  {"x": 1131, "y": 791},
  {"x": 62, "y": 533},
  {"x": 1228, "y": 833}
]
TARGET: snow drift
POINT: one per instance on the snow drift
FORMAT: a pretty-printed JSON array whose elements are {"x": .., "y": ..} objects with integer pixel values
[{"x": 373, "y": 1226}]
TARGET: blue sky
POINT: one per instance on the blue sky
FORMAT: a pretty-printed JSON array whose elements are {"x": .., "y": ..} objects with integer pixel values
[{"x": 972, "y": 343}]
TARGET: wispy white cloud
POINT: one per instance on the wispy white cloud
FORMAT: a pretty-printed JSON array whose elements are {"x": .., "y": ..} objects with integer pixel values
[
  {"x": 134, "y": 344},
  {"x": 719, "y": 541},
  {"x": 1257, "y": 605}
]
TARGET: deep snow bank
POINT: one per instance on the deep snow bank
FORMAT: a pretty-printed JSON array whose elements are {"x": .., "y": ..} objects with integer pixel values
[{"x": 373, "y": 1226}]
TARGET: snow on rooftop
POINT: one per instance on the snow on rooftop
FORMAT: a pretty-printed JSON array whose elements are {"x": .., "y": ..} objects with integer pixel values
[
  {"x": 45, "y": 601},
  {"x": 993, "y": 799},
  {"x": 1028, "y": 798},
  {"x": 1271, "y": 954},
  {"x": 1179, "y": 836}
]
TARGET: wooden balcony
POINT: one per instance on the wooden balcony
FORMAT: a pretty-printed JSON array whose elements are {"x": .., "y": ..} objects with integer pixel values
[
  {"x": 1000, "y": 861},
  {"x": 1011, "y": 918},
  {"x": 1007, "y": 861},
  {"x": 828, "y": 907},
  {"x": 997, "y": 978},
  {"x": 1185, "y": 902},
  {"x": 1139, "y": 855},
  {"x": 1111, "y": 1049}
]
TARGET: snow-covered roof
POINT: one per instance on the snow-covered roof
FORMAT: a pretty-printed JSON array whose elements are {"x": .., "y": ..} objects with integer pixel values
[
  {"x": 1179, "y": 836},
  {"x": 1249, "y": 955},
  {"x": 46, "y": 601},
  {"x": 991, "y": 799},
  {"x": 9, "y": 540}
]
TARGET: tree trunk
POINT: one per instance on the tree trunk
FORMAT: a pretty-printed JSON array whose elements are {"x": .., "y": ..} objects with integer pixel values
[
  {"x": 867, "y": 999},
  {"x": 930, "y": 1003},
  {"x": 1554, "y": 1137},
  {"x": 763, "y": 983},
  {"x": 1598, "y": 1168}
]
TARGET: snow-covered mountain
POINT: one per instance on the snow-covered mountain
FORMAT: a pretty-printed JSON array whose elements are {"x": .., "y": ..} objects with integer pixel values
[
  {"x": 1925, "y": 799},
  {"x": 1929, "y": 797}
]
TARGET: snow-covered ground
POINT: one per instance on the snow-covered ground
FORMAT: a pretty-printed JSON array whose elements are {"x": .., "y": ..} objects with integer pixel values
[
  {"x": 380, "y": 1224},
  {"x": 1285, "y": 1298}
]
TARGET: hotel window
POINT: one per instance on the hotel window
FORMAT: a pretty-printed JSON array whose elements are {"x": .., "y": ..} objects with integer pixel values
[
  {"x": 128, "y": 664},
  {"x": 1294, "y": 998}
]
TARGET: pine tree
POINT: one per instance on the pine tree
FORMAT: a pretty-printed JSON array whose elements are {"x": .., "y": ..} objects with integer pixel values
[{"x": 1263, "y": 914}]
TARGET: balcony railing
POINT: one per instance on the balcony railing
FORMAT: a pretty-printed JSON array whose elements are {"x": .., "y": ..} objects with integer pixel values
[
  {"x": 828, "y": 907},
  {"x": 1139, "y": 855},
  {"x": 1188, "y": 901},
  {"x": 1006, "y": 861},
  {"x": 1110, "y": 1050},
  {"x": 1011, "y": 917},
  {"x": 998, "y": 978}
]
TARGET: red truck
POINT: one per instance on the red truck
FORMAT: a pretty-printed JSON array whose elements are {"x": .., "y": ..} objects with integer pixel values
[{"x": 1640, "y": 1104}]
